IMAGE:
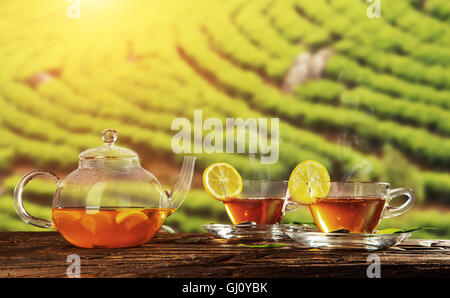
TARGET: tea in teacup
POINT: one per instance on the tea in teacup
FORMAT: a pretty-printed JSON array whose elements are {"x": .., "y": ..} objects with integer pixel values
[
  {"x": 261, "y": 201},
  {"x": 258, "y": 201},
  {"x": 258, "y": 210},
  {"x": 357, "y": 206},
  {"x": 357, "y": 215}
]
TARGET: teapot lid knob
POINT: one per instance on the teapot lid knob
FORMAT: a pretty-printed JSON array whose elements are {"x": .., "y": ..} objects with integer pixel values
[
  {"x": 108, "y": 150},
  {"x": 109, "y": 136}
]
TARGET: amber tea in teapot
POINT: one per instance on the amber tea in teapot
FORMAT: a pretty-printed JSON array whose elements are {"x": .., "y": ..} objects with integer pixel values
[
  {"x": 109, "y": 227},
  {"x": 109, "y": 200}
]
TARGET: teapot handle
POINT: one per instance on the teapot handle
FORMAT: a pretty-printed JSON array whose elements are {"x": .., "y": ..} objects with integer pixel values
[{"x": 18, "y": 190}]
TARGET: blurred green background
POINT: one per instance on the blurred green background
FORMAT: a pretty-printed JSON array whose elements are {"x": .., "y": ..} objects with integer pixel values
[{"x": 367, "y": 97}]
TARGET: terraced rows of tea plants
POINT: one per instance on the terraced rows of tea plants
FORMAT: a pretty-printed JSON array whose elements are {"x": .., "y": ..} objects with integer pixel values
[{"x": 379, "y": 108}]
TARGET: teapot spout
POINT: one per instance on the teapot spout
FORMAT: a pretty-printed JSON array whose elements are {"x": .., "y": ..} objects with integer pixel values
[{"x": 181, "y": 187}]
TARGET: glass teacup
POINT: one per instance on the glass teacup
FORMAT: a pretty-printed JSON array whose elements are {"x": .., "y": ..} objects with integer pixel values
[
  {"x": 358, "y": 206},
  {"x": 261, "y": 201}
]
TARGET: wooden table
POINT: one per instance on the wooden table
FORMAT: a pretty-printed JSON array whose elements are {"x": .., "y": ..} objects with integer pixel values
[{"x": 44, "y": 254}]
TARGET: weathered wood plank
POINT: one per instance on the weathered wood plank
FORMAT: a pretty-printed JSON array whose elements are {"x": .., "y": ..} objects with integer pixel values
[{"x": 44, "y": 254}]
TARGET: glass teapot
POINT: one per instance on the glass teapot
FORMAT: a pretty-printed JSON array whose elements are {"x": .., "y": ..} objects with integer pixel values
[{"x": 109, "y": 200}]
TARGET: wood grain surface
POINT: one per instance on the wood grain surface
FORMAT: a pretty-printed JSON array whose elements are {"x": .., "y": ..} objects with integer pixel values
[{"x": 44, "y": 254}]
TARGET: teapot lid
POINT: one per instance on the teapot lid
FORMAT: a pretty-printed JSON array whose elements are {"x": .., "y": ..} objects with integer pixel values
[{"x": 109, "y": 150}]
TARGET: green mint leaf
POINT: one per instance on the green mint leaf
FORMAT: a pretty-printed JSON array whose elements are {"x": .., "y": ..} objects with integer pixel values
[
  {"x": 263, "y": 245},
  {"x": 189, "y": 240},
  {"x": 301, "y": 223},
  {"x": 342, "y": 231},
  {"x": 168, "y": 229},
  {"x": 407, "y": 230},
  {"x": 416, "y": 229}
]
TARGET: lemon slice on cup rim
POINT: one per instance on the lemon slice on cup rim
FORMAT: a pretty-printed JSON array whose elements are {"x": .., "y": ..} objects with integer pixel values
[
  {"x": 222, "y": 181},
  {"x": 308, "y": 181}
]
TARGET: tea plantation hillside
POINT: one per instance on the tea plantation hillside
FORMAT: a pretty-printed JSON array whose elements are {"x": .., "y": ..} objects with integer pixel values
[{"x": 367, "y": 97}]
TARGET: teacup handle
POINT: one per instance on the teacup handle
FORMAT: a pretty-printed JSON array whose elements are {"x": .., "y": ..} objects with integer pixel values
[
  {"x": 389, "y": 211},
  {"x": 290, "y": 204},
  {"x": 18, "y": 204}
]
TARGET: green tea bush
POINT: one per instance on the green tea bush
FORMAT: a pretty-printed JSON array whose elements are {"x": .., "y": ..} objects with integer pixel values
[{"x": 385, "y": 84}]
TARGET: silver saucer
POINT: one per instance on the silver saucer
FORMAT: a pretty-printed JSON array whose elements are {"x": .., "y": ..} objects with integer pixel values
[
  {"x": 254, "y": 232},
  {"x": 347, "y": 241}
]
